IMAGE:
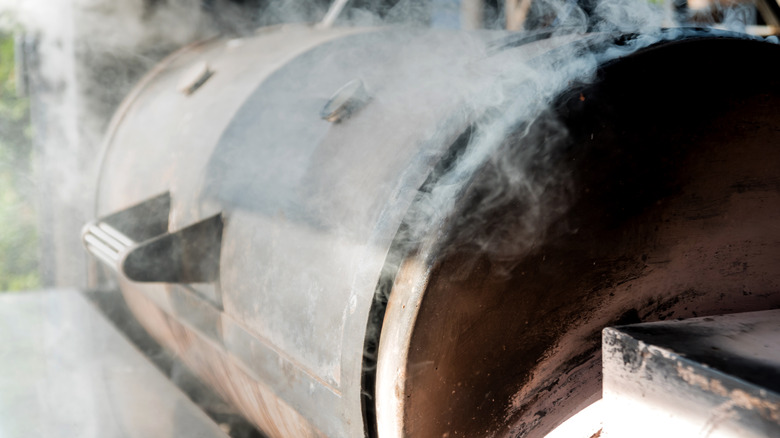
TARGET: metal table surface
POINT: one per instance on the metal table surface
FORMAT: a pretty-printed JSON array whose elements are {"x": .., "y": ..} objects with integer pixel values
[
  {"x": 715, "y": 376},
  {"x": 65, "y": 371}
]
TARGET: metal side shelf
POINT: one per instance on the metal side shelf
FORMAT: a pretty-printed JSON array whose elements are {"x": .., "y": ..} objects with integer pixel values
[
  {"x": 66, "y": 371},
  {"x": 709, "y": 377}
]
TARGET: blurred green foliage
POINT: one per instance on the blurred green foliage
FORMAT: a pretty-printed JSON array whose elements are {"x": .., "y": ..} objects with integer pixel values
[{"x": 18, "y": 230}]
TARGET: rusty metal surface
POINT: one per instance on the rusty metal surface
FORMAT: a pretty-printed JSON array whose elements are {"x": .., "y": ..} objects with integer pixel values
[
  {"x": 255, "y": 400},
  {"x": 713, "y": 376},
  {"x": 674, "y": 213}
]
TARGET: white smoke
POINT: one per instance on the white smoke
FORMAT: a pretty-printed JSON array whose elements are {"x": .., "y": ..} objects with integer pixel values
[
  {"x": 518, "y": 98},
  {"x": 83, "y": 57}
]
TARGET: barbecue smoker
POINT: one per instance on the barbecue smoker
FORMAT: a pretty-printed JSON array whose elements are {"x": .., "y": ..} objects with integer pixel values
[{"x": 362, "y": 232}]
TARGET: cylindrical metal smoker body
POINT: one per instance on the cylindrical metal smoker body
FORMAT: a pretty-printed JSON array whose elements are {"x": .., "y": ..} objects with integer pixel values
[
  {"x": 316, "y": 217},
  {"x": 310, "y": 207}
]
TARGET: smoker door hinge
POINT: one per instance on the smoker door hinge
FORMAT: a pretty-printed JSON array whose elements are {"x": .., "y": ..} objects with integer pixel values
[{"x": 137, "y": 243}]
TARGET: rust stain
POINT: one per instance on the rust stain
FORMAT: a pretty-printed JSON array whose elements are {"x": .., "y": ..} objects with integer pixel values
[{"x": 736, "y": 397}]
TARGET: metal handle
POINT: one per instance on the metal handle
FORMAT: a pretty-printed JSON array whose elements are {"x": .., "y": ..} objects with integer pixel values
[
  {"x": 136, "y": 243},
  {"x": 106, "y": 243}
]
